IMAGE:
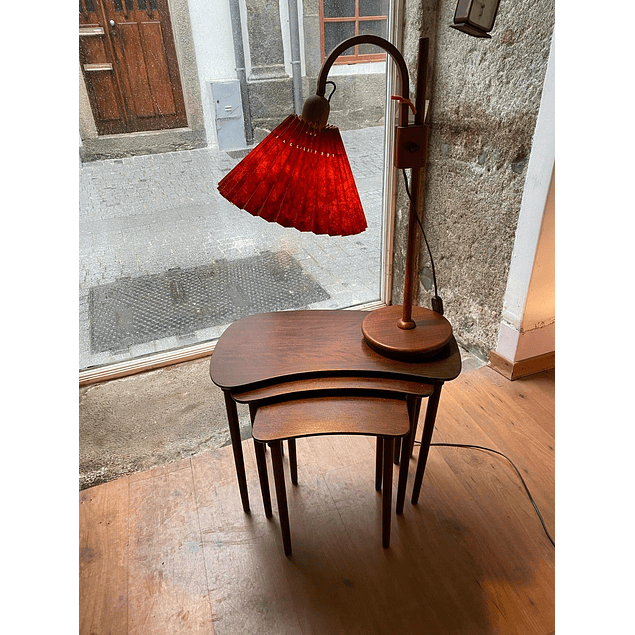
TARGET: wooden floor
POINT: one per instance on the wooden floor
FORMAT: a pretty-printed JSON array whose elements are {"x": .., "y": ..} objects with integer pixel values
[{"x": 170, "y": 550}]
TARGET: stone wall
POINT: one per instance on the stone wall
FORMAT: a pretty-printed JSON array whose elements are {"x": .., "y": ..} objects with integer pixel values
[{"x": 484, "y": 99}]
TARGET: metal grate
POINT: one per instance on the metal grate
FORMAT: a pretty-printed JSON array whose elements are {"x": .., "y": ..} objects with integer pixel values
[{"x": 132, "y": 311}]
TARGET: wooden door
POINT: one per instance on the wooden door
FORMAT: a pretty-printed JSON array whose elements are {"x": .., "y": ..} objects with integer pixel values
[{"x": 128, "y": 58}]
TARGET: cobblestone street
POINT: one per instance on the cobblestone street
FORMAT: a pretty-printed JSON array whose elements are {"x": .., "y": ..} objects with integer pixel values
[{"x": 147, "y": 215}]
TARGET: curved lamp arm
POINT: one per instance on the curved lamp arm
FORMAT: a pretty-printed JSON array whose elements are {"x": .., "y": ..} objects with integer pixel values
[
  {"x": 381, "y": 43},
  {"x": 410, "y": 141},
  {"x": 316, "y": 109}
]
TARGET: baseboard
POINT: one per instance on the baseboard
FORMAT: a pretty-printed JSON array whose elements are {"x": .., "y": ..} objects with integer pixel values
[{"x": 523, "y": 367}]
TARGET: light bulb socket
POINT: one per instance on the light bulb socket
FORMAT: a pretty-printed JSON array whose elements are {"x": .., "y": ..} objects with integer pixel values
[{"x": 316, "y": 111}]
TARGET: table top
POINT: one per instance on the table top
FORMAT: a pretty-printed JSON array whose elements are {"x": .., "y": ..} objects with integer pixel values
[
  {"x": 333, "y": 414},
  {"x": 291, "y": 345}
]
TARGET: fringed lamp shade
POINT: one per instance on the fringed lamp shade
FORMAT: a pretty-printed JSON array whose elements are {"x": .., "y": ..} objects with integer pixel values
[{"x": 298, "y": 176}]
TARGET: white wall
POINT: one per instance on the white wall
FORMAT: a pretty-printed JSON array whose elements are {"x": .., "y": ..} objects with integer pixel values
[
  {"x": 528, "y": 325},
  {"x": 214, "y": 46}
]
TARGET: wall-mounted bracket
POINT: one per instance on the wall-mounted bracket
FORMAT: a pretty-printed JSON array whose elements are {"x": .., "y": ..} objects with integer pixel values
[{"x": 411, "y": 146}]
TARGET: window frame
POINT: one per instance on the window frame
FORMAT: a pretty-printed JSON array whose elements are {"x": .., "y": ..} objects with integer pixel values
[{"x": 356, "y": 58}]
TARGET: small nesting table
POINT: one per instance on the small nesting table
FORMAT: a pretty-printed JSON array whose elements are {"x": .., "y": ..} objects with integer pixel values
[
  {"x": 386, "y": 418},
  {"x": 274, "y": 356}
]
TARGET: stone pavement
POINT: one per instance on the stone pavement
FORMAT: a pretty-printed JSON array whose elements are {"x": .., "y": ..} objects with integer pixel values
[{"x": 147, "y": 215}]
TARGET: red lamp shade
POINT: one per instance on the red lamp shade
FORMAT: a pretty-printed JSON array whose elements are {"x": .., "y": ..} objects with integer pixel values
[{"x": 298, "y": 176}]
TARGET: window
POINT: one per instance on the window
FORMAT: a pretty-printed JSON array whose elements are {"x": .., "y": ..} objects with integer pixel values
[{"x": 342, "y": 19}]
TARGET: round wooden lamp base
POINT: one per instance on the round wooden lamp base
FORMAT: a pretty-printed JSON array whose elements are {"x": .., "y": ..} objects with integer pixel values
[{"x": 381, "y": 332}]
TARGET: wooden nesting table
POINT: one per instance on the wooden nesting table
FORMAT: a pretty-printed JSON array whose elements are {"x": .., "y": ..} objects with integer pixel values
[{"x": 272, "y": 356}]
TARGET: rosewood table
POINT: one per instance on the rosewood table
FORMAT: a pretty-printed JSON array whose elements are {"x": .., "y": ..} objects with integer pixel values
[{"x": 282, "y": 354}]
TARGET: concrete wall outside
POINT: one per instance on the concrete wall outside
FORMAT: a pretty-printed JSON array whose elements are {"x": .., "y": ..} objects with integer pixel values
[
  {"x": 95, "y": 147},
  {"x": 360, "y": 96},
  {"x": 484, "y": 100},
  {"x": 205, "y": 51},
  {"x": 214, "y": 50}
]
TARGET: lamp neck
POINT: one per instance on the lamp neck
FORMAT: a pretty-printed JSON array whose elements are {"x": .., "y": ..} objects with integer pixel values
[
  {"x": 381, "y": 43},
  {"x": 317, "y": 109}
]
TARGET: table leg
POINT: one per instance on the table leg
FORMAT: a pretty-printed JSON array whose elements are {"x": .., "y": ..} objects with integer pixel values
[
  {"x": 414, "y": 405},
  {"x": 281, "y": 494},
  {"x": 386, "y": 500},
  {"x": 426, "y": 438},
  {"x": 234, "y": 433},
  {"x": 397, "y": 448},
  {"x": 293, "y": 461},
  {"x": 379, "y": 456},
  {"x": 261, "y": 462}
]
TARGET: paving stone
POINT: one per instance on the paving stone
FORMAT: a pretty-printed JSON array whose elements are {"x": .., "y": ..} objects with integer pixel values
[{"x": 140, "y": 216}]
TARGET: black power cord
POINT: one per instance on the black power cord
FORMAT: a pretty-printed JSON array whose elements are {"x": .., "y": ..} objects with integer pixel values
[
  {"x": 334, "y": 89},
  {"x": 437, "y": 303},
  {"x": 480, "y": 447}
]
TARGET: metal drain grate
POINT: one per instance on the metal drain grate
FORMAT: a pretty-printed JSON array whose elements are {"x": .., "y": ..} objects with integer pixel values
[{"x": 181, "y": 301}]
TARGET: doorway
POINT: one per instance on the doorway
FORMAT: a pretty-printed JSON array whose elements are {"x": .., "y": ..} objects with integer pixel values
[{"x": 128, "y": 60}]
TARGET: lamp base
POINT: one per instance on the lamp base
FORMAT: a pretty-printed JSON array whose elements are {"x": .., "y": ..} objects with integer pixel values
[{"x": 381, "y": 332}]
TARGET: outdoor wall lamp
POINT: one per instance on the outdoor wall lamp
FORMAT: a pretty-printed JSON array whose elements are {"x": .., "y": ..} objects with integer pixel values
[
  {"x": 475, "y": 17},
  {"x": 299, "y": 176}
]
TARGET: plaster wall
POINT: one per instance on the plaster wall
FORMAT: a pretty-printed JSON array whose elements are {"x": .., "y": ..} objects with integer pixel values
[
  {"x": 528, "y": 319},
  {"x": 214, "y": 50},
  {"x": 485, "y": 95},
  {"x": 532, "y": 332},
  {"x": 540, "y": 308}
]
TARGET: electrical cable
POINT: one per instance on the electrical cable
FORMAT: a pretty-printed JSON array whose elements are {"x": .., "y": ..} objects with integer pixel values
[
  {"x": 480, "y": 447},
  {"x": 423, "y": 233},
  {"x": 333, "y": 91},
  {"x": 465, "y": 445}
]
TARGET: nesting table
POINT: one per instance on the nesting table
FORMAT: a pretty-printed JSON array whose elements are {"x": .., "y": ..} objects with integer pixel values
[{"x": 280, "y": 355}]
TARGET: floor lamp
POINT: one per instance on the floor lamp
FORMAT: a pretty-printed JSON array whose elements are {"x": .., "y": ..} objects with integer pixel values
[{"x": 299, "y": 176}]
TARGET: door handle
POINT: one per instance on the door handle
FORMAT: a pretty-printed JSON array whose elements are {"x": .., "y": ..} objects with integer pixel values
[
  {"x": 106, "y": 66},
  {"x": 90, "y": 30},
  {"x": 112, "y": 23}
]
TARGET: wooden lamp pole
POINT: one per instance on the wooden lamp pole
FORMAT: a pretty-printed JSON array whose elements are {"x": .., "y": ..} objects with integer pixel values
[{"x": 404, "y": 331}]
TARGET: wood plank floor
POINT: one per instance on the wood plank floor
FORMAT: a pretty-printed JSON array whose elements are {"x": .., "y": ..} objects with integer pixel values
[{"x": 170, "y": 550}]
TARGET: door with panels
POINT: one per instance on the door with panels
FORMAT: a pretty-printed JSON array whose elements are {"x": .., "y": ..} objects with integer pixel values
[{"x": 128, "y": 59}]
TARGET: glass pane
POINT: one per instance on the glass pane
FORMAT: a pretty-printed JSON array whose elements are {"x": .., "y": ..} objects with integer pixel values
[
  {"x": 165, "y": 261},
  {"x": 336, "y": 32},
  {"x": 372, "y": 27},
  {"x": 130, "y": 5},
  {"x": 373, "y": 7},
  {"x": 339, "y": 8}
]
